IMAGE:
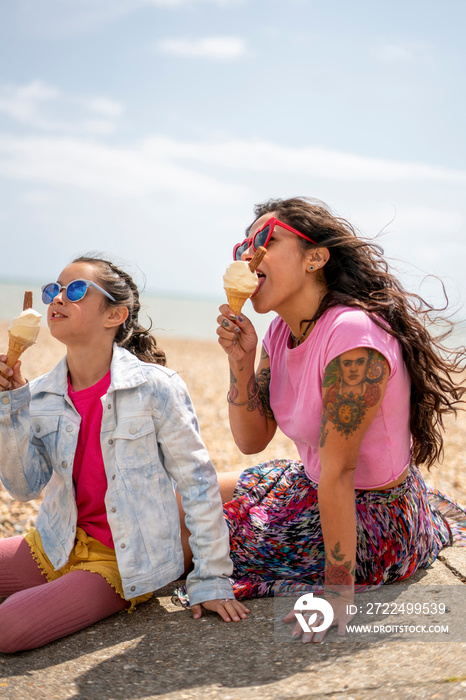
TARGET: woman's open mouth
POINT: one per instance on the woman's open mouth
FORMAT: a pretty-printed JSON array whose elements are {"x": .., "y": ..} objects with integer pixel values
[{"x": 261, "y": 278}]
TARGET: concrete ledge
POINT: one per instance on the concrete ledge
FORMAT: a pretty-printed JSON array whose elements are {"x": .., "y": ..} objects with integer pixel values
[
  {"x": 161, "y": 652},
  {"x": 454, "y": 559}
]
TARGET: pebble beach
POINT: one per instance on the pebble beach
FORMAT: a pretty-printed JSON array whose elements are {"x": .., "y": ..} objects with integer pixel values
[{"x": 203, "y": 366}]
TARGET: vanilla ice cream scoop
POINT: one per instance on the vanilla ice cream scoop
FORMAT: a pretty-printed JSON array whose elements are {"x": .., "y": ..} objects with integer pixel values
[
  {"x": 238, "y": 276},
  {"x": 240, "y": 280},
  {"x": 26, "y": 326},
  {"x": 22, "y": 331}
]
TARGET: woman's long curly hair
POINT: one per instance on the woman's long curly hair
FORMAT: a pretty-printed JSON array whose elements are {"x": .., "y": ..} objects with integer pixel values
[
  {"x": 357, "y": 275},
  {"x": 130, "y": 335}
]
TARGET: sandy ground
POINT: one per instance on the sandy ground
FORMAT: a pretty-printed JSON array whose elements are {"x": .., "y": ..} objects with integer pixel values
[{"x": 203, "y": 366}]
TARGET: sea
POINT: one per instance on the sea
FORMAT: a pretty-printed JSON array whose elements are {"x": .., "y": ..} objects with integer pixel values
[{"x": 172, "y": 316}]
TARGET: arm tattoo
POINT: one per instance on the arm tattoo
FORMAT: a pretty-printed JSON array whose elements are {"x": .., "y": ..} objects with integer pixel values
[
  {"x": 258, "y": 390},
  {"x": 352, "y": 384},
  {"x": 233, "y": 390},
  {"x": 263, "y": 382},
  {"x": 338, "y": 572},
  {"x": 263, "y": 397}
]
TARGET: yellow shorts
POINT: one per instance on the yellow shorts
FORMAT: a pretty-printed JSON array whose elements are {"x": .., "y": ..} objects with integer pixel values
[{"x": 87, "y": 554}]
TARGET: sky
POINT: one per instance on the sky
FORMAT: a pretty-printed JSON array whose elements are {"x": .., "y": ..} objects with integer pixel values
[{"x": 148, "y": 129}]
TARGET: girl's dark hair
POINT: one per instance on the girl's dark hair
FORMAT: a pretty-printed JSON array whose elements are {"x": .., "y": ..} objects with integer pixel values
[
  {"x": 130, "y": 335},
  {"x": 357, "y": 275}
]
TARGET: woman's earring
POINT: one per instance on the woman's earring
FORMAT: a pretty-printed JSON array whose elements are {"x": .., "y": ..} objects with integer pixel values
[{"x": 311, "y": 268}]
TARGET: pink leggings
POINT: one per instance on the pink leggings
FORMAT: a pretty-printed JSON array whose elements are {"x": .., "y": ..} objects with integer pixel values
[{"x": 37, "y": 612}]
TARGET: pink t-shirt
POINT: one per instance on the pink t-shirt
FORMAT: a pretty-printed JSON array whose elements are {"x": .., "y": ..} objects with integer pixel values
[
  {"x": 89, "y": 476},
  {"x": 296, "y": 392}
]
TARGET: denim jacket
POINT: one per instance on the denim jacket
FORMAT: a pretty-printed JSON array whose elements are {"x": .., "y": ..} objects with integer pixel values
[{"x": 150, "y": 442}]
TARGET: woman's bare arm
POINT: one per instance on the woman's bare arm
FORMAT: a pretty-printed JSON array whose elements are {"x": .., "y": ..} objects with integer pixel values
[
  {"x": 345, "y": 420},
  {"x": 252, "y": 421}
]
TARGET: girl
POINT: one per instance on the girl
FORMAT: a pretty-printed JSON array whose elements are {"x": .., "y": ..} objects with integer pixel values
[
  {"x": 107, "y": 432},
  {"x": 349, "y": 371}
]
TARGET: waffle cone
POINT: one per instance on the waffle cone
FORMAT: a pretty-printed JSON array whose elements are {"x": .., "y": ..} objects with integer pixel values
[
  {"x": 16, "y": 347},
  {"x": 236, "y": 300}
]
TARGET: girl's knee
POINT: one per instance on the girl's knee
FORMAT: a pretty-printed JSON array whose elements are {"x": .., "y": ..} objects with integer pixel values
[{"x": 11, "y": 632}]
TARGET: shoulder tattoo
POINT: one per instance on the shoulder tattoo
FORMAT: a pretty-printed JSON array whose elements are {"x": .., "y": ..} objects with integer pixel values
[{"x": 351, "y": 385}]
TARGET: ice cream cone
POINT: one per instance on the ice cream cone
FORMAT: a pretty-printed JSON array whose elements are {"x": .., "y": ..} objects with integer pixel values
[
  {"x": 240, "y": 280},
  {"x": 22, "y": 332},
  {"x": 16, "y": 347},
  {"x": 236, "y": 300}
]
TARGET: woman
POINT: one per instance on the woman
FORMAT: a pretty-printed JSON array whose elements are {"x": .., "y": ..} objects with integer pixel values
[
  {"x": 350, "y": 373},
  {"x": 107, "y": 434}
]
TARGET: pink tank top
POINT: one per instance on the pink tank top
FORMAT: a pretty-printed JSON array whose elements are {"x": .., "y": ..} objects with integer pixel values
[
  {"x": 89, "y": 476},
  {"x": 296, "y": 393}
]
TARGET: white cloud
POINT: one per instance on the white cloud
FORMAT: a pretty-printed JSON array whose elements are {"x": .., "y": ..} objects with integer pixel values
[
  {"x": 430, "y": 218},
  {"x": 120, "y": 172},
  {"x": 393, "y": 53},
  {"x": 217, "y": 47},
  {"x": 23, "y": 103},
  {"x": 149, "y": 186},
  {"x": 404, "y": 219},
  {"x": 105, "y": 106},
  {"x": 161, "y": 165},
  {"x": 38, "y": 198},
  {"x": 260, "y": 156},
  {"x": 40, "y": 105},
  {"x": 222, "y": 172}
]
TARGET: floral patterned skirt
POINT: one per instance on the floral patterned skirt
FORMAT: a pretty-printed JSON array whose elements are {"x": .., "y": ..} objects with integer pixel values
[{"x": 276, "y": 538}]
